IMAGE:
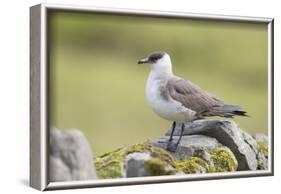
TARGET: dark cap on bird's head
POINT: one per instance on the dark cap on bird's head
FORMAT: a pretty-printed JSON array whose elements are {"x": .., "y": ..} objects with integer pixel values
[{"x": 152, "y": 58}]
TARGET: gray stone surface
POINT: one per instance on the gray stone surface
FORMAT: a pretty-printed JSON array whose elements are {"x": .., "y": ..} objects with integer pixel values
[
  {"x": 228, "y": 134},
  {"x": 59, "y": 171},
  {"x": 190, "y": 145},
  {"x": 250, "y": 141},
  {"x": 70, "y": 156},
  {"x": 262, "y": 160},
  {"x": 134, "y": 164},
  {"x": 261, "y": 137}
]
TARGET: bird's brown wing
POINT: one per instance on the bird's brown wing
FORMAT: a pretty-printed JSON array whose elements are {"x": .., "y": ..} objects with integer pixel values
[{"x": 192, "y": 96}]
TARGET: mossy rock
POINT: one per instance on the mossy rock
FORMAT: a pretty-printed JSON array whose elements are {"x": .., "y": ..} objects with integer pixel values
[
  {"x": 223, "y": 159},
  {"x": 161, "y": 162},
  {"x": 263, "y": 148},
  {"x": 157, "y": 167},
  {"x": 191, "y": 165},
  {"x": 154, "y": 151},
  {"x": 262, "y": 151},
  {"x": 111, "y": 164}
]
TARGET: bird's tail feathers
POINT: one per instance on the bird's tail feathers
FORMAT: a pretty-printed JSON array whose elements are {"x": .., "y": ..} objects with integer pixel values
[{"x": 229, "y": 111}]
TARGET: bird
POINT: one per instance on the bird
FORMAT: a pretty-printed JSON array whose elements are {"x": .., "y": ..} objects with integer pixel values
[{"x": 179, "y": 100}]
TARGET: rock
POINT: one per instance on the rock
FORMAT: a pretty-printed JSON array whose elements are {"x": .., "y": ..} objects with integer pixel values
[
  {"x": 256, "y": 147},
  {"x": 134, "y": 164},
  {"x": 203, "y": 150},
  {"x": 192, "y": 165},
  {"x": 224, "y": 160},
  {"x": 207, "y": 146},
  {"x": 189, "y": 145},
  {"x": 228, "y": 134},
  {"x": 136, "y": 160},
  {"x": 143, "y": 164},
  {"x": 261, "y": 137},
  {"x": 250, "y": 141},
  {"x": 262, "y": 161},
  {"x": 70, "y": 156},
  {"x": 150, "y": 160},
  {"x": 262, "y": 146},
  {"x": 220, "y": 159},
  {"x": 58, "y": 170}
]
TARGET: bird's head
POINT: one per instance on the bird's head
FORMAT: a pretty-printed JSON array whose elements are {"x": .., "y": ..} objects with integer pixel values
[{"x": 158, "y": 61}]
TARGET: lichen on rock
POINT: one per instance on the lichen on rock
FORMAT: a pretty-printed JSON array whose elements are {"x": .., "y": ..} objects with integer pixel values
[
  {"x": 111, "y": 164},
  {"x": 221, "y": 160},
  {"x": 224, "y": 160},
  {"x": 191, "y": 165},
  {"x": 157, "y": 167},
  {"x": 156, "y": 152},
  {"x": 148, "y": 160},
  {"x": 206, "y": 147},
  {"x": 263, "y": 148}
]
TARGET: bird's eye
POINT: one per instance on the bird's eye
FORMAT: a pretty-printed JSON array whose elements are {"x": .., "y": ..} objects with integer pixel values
[
  {"x": 153, "y": 59},
  {"x": 155, "y": 56}
]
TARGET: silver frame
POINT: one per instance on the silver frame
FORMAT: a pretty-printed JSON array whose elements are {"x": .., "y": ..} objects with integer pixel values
[{"x": 39, "y": 98}]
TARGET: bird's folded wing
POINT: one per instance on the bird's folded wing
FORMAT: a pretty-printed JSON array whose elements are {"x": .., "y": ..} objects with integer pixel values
[{"x": 192, "y": 96}]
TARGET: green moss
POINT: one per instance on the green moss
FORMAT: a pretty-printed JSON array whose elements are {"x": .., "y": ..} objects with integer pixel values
[
  {"x": 261, "y": 167},
  {"x": 110, "y": 165},
  {"x": 153, "y": 150},
  {"x": 262, "y": 148},
  {"x": 157, "y": 167},
  {"x": 223, "y": 159},
  {"x": 190, "y": 165},
  {"x": 162, "y": 154},
  {"x": 137, "y": 148}
]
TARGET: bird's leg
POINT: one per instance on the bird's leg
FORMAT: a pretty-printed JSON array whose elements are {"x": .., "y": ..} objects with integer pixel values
[
  {"x": 172, "y": 132},
  {"x": 171, "y": 135},
  {"x": 171, "y": 146},
  {"x": 182, "y": 129}
]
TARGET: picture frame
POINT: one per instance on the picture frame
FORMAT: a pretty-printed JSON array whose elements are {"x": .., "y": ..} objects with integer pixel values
[{"x": 39, "y": 97}]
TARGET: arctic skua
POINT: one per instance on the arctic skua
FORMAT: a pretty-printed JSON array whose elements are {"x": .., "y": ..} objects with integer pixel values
[{"x": 179, "y": 100}]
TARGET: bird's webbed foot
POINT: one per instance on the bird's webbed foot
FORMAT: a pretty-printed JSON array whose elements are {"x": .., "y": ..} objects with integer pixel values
[{"x": 172, "y": 146}]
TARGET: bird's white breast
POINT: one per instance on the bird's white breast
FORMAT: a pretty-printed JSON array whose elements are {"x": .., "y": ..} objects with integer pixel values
[{"x": 165, "y": 108}]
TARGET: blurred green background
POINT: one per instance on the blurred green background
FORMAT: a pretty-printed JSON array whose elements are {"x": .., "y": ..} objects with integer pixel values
[{"x": 97, "y": 86}]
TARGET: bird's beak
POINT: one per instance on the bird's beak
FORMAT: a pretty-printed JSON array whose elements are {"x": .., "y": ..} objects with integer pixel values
[{"x": 145, "y": 60}]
